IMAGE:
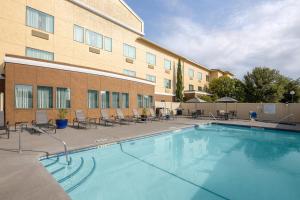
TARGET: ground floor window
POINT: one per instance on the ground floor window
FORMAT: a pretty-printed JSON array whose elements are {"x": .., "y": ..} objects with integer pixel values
[
  {"x": 116, "y": 100},
  {"x": 104, "y": 99},
  {"x": 44, "y": 97},
  {"x": 23, "y": 96},
  {"x": 125, "y": 100},
  {"x": 140, "y": 101},
  {"x": 93, "y": 99},
  {"x": 63, "y": 98},
  {"x": 191, "y": 87}
]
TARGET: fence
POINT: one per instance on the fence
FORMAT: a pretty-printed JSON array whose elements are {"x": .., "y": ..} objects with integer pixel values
[{"x": 273, "y": 112}]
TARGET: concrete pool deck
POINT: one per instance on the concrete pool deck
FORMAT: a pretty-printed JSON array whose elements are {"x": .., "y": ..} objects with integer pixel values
[{"x": 23, "y": 177}]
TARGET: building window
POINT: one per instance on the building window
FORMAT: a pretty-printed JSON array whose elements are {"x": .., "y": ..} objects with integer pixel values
[
  {"x": 44, "y": 97},
  {"x": 151, "y": 78},
  {"x": 200, "y": 88},
  {"x": 93, "y": 39},
  {"x": 93, "y": 99},
  {"x": 107, "y": 44},
  {"x": 129, "y": 51},
  {"x": 125, "y": 100},
  {"x": 39, "y": 54},
  {"x": 167, "y": 64},
  {"x": 39, "y": 20},
  {"x": 151, "y": 59},
  {"x": 151, "y": 101},
  {"x": 129, "y": 73},
  {"x": 191, "y": 73},
  {"x": 207, "y": 78},
  {"x": 63, "y": 98},
  {"x": 104, "y": 99},
  {"x": 140, "y": 101},
  {"x": 23, "y": 96},
  {"x": 199, "y": 76},
  {"x": 191, "y": 87},
  {"x": 147, "y": 103},
  {"x": 116, "y": 100},
  {"x": 167, "y": 83},
  {"x": 78, "y": 33}
]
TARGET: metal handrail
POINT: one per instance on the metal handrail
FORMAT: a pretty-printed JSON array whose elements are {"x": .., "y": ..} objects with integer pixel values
[
  {"x": 286, "y": 117},
  {"x": 211, "y": 115}
]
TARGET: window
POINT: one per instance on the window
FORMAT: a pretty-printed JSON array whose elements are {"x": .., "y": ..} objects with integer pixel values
[
  {"x": 129, "y": 72},
  {"x": 129, "y": 51},
  {"x": 151, "y": 59},
  {"x": 199, "y": 76},
  {"x": 39, "y": 20},
  {"x": 93, "y": 39},
  {"x": 140, "y": 101},
  {"x": 39, "y": 54},
  {"x": 151, "y": 100},
  {"x": 151, "y": 78},
  {"x": 107, "y": 44},
  {"x": 23, "y": 96},
  {"x": 78, "y": 33},
  {"x": 167, "y": 64},
  {"x": 191, "y": 87},
  {"x": 116, "y": 100},
  {"x": 44, "y": 97},
  {"x": 93, "y": 98},
  {"x": 191, "y": 73},
  {"x": 167, "y": 83},
  {"x": 104, "y": 99},
  {"x": 200, "y": 88},
  {"x": 125, "y": 100},
  {"x": 147, "y": 103},
  {"x": 207, "y": 78},
  {"x": 63, "y": 98}
]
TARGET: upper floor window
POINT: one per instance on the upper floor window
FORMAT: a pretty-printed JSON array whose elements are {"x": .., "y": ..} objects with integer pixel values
[
  {"x": 40, "y": 54},
  {"x": 93, "y": 39},
  {"x": 39, "y": 20},
  {"x": 129, "y": 72},
  {"x": 199, "y": 76},
  {"x": 78, "y": 33},
  {"x": 108, "y": 44},
  {"x": 207, "y": 78},
  {"x": 23, "y": 96},
  {"x": 191, "y": 73},
  {"x": 93, "y": 99},
  {"x": 167, "y": 64},
  {"x": 63, "y": 98},
  {"x": 191, "y": 87},
  {"x": 44, "y": 97},
  {"x": 129, "y": 51},
  {"x": 151, "y": 78},
  {"x": 167, "y": 83},
  {"x": 151, "y": 59}
]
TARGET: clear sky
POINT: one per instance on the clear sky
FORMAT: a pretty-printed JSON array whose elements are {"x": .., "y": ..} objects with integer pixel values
[{"x": 234, "y": 35}]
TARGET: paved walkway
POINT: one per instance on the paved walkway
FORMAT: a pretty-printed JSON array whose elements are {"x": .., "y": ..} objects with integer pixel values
[{"x": 23, "y": 177}]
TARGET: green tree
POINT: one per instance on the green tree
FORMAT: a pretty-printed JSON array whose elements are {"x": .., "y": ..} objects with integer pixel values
[
  {"x": 291, "y": 85},
  {"x": 179, "y": 83},
  {"x": 264, "y": 85}
]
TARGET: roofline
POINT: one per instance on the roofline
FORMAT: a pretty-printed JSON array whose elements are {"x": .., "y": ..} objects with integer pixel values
[
  {"x": 115, "y": 21},
  {"x": 223, "y": 72},
  {"x": 174, "y": 53}
]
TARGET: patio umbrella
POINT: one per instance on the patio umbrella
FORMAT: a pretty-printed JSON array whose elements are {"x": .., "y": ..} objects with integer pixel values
[
  {"x": 196, "y": 100},
  {"x": 226, "y": 100}
]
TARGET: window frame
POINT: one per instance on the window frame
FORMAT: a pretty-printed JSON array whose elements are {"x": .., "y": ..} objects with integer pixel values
[
  {"x": 153, "y": 56},
  {"x": 37, "y": 97},
  {"x": 149, "y": 79},
  {"x": 32, "y": 96},
  {"x": 39, "y": 50},
  {"x": 97, "y": 99},
  {"x": 129, "y": 46},
  {"x": 96, "y": 33},
  {"x": 191, "y": 73},
  {"x": 167, "y": 61},
  {"x": 83, "y": 35},
  {"x": 40, "y": 13},
  {"x": 104, "y": 42},
  {"x": 199, "y": 73},
  {"x": 170, "y": 83},
  {"x": 107, "y": 99},
  {"x": 70, "y": 100}
]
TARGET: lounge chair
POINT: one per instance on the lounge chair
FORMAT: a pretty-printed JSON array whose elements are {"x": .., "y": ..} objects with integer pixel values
[
  {"x": 163, "y": 114},
  {"x": 106, "y": 119},
  {"x": 42, "y": 122},
  {"x": 3, "y": 125},
  {"x": 137, "y": 117},
  {"x": 152, "y": 116},
  {"x": 121, "y": 119},
  {"x": 83, "y": 121}
]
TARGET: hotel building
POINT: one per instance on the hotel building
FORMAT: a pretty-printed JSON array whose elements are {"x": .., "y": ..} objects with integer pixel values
[{"x": 85, "y": 54}]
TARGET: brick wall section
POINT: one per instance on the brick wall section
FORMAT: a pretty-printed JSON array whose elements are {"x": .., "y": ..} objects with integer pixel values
[{"x": 79, "y": 83}]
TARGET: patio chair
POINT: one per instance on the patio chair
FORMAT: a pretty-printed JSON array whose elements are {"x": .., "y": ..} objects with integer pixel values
[
  {"x": 221, "y": 114},
  {"x": 120, "y": 117},
  {"x": 106, "y": 119},
  {"x": 233, "y": 114},
  {"x": 42, "y": 122},
  {"x": 152, "y": 116},
  {"x": 163, "y": 114},
  {"x": 3, "y": 125},
  {"x": 137, "y": 117},
  {"x": 83, "y": 121}
]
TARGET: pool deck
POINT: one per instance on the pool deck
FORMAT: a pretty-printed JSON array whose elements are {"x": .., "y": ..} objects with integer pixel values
[{"x": 23, "y": 177}]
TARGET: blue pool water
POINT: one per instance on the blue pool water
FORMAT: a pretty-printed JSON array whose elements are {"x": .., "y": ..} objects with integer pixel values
[{"x": 205, "y": 162}]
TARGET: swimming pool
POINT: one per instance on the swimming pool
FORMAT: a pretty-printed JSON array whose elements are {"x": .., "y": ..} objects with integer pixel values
[{"x": 203, "y": 162}]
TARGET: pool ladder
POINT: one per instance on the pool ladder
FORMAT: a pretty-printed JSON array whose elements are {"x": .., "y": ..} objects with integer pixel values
[{"x": 212, "y": 116}]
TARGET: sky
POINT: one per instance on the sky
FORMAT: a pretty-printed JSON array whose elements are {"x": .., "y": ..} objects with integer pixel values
[{"x": 234, "y": 35}]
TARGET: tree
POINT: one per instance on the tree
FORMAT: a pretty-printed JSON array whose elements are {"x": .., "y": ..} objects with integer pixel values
[
  {"x": 179, "y": 83},
  {"x": 291, "y": 85},
  {"x": 264, "y": 85}
]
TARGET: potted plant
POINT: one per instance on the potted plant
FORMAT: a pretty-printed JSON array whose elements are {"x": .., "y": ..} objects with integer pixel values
[
  {"x": 62, "y": 122},
  {"x": 144, "y": 114}
]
